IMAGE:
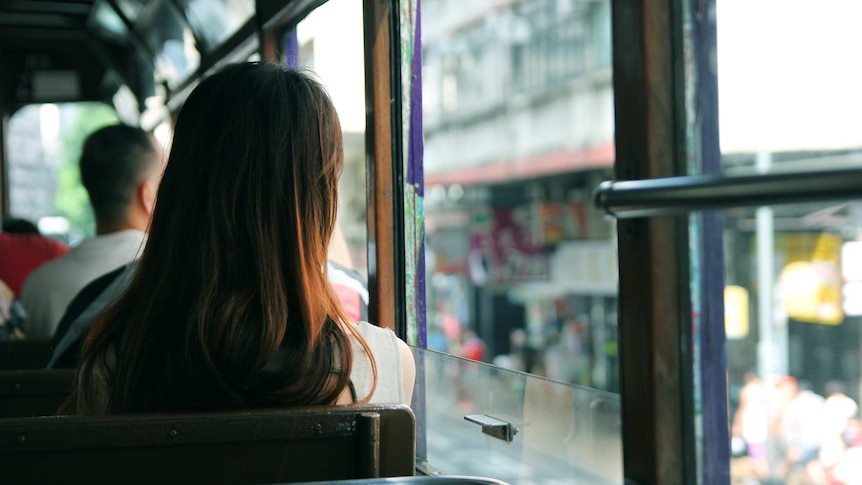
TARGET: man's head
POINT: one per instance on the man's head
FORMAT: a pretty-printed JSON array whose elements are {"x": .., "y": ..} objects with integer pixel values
[
  {"x": 120, "y": 168},
  {"x": 14, "y": 225}
]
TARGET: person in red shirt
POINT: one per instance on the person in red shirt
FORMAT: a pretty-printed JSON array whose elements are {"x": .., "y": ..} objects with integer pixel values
[
  {"x": 22, "y": 250},
  {"x": 473, "y": 347}
]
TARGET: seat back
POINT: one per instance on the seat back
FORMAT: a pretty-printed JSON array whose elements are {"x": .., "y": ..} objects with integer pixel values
[
  {"x": 422, "y": 480},
  {"x": 27, "y": 393},
  {"x": 284, "y": 445},
  {"x": 24, "y": 354}
]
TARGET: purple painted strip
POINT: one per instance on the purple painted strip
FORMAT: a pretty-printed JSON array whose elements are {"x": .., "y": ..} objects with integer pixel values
[
  {"x": 291, "y": 49},
  {"x": 415, "y": 172},
  {"x": 713, "y": 364}
]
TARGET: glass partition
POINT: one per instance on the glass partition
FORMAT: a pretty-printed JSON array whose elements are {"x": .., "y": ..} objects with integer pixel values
[{"x": 563, "y": 433}]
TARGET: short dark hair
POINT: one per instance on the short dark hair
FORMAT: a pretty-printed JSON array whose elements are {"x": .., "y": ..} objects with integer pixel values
[
  {"x": 14, "y": 225},
  {"x": 113, "y": 161}
]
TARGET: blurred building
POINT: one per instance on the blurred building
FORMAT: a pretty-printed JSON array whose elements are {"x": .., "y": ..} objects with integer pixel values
[{"x": 519, "y": 122}]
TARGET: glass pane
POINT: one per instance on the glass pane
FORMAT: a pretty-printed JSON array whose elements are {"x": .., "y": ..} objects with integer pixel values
[
  {"x": 164, "y": 31},
  {"x": 106, "y": 21},
  {"x": 44, "y": 180},
  {"x": 789, "y": 101},
  {"x": 565, "y": 434},
  {"x": 518, "y": 125},
  {"x": 789, "y": 97},
  {"x": 130, "y": 8},
  {"x": 793, "y": 318},
  {"x": 216, "y": 21},
  {"x": 330, "y": 44}
]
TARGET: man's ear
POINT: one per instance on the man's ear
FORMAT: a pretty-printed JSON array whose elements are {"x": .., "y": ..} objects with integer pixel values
[{"x": 146, "y": 194}]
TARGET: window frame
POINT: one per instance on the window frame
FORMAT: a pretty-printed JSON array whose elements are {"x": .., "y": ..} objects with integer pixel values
[{"x": 656, "y": 372}]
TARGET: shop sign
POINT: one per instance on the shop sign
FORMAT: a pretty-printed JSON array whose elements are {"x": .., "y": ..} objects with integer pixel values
[
  {"x": 504, "y": 247},
  {"x": 586, "y": 267},
  {"x": 811, "y": 280},
  {"x": 561, "y": 221},
  {"x": 449, "y": 246},
  {"x": 735, "y": 312}
]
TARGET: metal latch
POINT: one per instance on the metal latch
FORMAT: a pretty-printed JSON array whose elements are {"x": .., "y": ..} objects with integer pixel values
[{"x": 502, "y": 430}]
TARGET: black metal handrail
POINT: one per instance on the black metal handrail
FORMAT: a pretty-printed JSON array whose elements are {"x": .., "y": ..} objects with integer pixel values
[{"x": 675, "y": 195}]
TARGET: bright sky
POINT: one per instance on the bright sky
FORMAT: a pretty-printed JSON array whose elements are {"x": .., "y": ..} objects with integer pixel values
[
  {"x": 790, "y": 71},
  {"x": 790, "y": 74},
  {"x": 336, "y": 28}
]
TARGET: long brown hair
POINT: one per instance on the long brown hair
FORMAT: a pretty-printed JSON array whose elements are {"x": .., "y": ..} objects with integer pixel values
[{"x": 230, "y": 306}]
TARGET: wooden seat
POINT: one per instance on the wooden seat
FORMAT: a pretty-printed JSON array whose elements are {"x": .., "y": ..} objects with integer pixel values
[
  {"x": 24, "y": 354},
  {"x": 270, "y": 446},
  {"x": 422, "y": 480},
  {"x": 27, "y": 393}
]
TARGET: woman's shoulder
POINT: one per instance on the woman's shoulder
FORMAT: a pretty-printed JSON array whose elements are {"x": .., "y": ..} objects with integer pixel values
[
  {"x": 393, "y": 359},
  {"x": 379, "y": 338},
  {"x": 371, "y": 330},
  {"x": 382, "y": 342}
]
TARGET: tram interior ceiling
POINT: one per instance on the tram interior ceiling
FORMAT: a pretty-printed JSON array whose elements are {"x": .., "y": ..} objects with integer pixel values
[
  {"x": 86, "y": 50},
  {"x": 139, "y": 57},
  {"x": 55, "y": 51}
]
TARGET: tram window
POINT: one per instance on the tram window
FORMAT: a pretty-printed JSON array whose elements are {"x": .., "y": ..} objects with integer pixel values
[
  {"x": 794, "y": 345},
  {"x": 131, "y": 8},
  {"x": 522, "y": 273},
  {"x": 801, "y": 118},
  {"x": 162, "y": 27},
  {"x": 44, "y": 179},
  {"x": 792, "y": 300},
  {"x": 518, "y": 115},
  {"x": 330, "y": 44},
  {"x": 107, "y": 22},
  {"x": 215, "y": 21}
]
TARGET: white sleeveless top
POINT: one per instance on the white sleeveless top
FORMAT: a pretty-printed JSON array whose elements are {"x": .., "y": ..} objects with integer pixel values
[
  {"x": 384, "y": 347},
  {"x": 382, "y": 342}
]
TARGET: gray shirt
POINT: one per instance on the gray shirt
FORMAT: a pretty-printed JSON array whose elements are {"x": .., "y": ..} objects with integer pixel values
[{"x": 49, "y": 290}]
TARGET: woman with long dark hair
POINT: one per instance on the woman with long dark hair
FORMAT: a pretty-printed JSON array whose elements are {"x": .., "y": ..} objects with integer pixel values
[{"x": 230, "y": 306}]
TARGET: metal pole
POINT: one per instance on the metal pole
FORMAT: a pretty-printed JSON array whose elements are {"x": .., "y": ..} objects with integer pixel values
[
  {"x": 766, "y": 355},
  {"x": 625, "y": 199}
]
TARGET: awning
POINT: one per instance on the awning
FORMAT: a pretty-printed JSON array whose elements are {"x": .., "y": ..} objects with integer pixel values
[{"x": 526, "y": 168}]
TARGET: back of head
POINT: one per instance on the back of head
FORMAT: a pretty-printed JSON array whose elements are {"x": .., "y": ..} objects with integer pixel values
[
  {"x": 113, "y": 162},
  {"x": 230, "y": 306},
  {"x": 14, "y": 225}
]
